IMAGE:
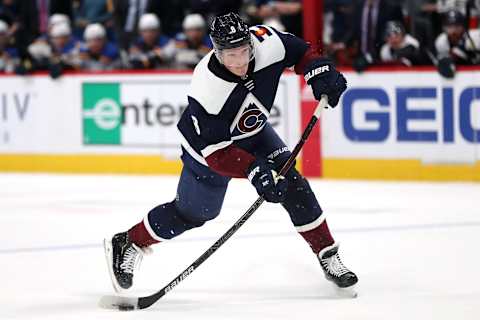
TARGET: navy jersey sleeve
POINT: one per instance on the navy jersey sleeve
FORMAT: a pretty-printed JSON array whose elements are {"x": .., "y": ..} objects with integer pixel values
[
  {"x": 211, "y": 129},
  {"x": 204, "y": 132},
  {"x": 295, "y": 48}
]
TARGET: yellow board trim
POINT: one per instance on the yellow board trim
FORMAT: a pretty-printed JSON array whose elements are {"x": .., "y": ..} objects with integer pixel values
[
  {"x": 369, "y": 169},
  {"x": 382, "y": 169},
  {"x": 89, "y": 163}
]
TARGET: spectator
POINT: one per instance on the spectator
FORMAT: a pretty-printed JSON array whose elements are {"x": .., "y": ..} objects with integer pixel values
[
  {"x": 97, "y": 53},
  {"x": 33, "y": 18},
  {"x": 58, "y": 18},
  {"x": 126, "y": 14},
  {"x": 171, "y": 13},
  {"x": 213, "y": 8},
  {"x": 343, "y": 13},
  {"x": 426, "y": 16},
  {"x": 342, "y": 31},
  {"x": 371, "y": 18},
  {"x": 54, "y": 19},
  {"x": 8, "y": 54},
  {"x": 400, "y": 47},
  {"x": 425, "y": 22},
  {"x": 153, "y": 49},
  {"x": 94, "y": 11},
  {"x": 9, "y": 14},
  {"x": 194, "y": 43},
  {"x": 286, "y": 14},
  {"x": 65, "y": 49},
  {"x": 456, "y": 45},
  {"x": 444, "y": 6},
  {"x": 55, "y": 52}
]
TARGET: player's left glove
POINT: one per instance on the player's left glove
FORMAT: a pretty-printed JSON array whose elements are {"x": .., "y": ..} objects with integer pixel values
[
  {"x": 325, "y": 79},
  {"x": 269, "y": 185}
]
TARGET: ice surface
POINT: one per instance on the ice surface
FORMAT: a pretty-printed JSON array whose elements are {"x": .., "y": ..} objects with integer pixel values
[{"x": 414, "y": 247}]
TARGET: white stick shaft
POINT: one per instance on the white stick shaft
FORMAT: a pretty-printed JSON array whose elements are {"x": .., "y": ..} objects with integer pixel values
[{"x": 322, "y": 104}]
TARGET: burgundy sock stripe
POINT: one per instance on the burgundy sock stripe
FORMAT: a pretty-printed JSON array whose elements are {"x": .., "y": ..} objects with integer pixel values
[
  {"x": 139, "y": 235},
  {"x": 319, "y": 237}
]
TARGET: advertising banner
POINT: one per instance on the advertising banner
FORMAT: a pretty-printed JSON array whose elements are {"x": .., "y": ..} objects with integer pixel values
[
  {"x": 388, "y": 125},
  {"x": 115, "y": 115},
  {"x": 392, "y": 118}
]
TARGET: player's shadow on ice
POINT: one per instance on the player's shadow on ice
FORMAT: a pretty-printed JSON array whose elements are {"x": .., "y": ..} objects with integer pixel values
[{"x": 226, "y": 299}]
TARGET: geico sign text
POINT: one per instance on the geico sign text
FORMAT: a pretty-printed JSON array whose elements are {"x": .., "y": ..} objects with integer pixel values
[{"x": 440, "y": 112}]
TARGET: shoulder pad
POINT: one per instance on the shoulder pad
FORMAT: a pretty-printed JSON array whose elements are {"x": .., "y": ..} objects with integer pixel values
[
  {"x": 409, "y": 40},
  {"x": 209, "y": 90},
  {"x": 441, "y": 43},
  {"x": 385, "y": 53},
  {"x": 269, "y": 48}
]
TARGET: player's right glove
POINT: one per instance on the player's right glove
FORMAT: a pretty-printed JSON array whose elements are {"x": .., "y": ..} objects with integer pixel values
[
  {"x": 269, "y": 185},
  {"x": 325, "y": 79}
]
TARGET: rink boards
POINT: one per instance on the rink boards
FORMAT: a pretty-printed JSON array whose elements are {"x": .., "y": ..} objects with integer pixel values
[{"x": 390, "y": 125}]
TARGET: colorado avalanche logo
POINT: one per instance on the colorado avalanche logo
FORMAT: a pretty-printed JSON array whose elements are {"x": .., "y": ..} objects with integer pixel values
[{"x": 250, "y": 119}]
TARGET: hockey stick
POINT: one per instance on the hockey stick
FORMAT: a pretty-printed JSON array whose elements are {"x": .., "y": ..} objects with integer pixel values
[{"x": 132, "y": 303}]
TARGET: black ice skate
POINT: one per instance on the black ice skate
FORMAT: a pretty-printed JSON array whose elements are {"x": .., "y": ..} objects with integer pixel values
[
  {"x": 123, "y": 257},
  {"x": 334, "y": 269}
]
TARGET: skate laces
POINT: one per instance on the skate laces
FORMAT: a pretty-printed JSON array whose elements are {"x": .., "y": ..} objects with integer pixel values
[
  {"x": 334, "y": 265},
  {"x": 131, "y": 259}
]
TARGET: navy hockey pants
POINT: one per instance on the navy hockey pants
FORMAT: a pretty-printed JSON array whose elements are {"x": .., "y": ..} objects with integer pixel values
[{"x": 201, "y": 191}]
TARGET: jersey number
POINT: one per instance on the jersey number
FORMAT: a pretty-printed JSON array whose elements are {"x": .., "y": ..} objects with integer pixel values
[{"x": 195, "y": 125}]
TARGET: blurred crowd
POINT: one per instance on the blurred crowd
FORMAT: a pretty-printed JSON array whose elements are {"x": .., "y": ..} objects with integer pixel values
[
  {"x": 444, "y": 33},
  {"x": 59, "y": 35}
]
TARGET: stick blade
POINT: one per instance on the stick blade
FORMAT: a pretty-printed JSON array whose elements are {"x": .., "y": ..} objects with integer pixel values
[{"x": 119, "y": 303}]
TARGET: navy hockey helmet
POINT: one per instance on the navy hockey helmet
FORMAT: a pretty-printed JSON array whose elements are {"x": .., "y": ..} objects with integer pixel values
[
  {"x": 453, "y": 17},
  {"x": 230, "y": 31}
]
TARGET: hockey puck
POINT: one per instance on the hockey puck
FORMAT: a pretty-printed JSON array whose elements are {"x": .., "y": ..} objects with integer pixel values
[{"x": 125, "y": 307}]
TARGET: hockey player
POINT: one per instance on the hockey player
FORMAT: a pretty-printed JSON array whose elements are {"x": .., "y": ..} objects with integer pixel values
[
  {"x": 225, "y": 134},
  {"x": 400, "y": 48},
  {"x": 457, "y": 43}
]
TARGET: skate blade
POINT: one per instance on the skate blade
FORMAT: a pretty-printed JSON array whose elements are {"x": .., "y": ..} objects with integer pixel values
[
  {"x": 346, "y": 293},
  {"x": 119, "y": 303},
  {"x": 107, "y": 245}
]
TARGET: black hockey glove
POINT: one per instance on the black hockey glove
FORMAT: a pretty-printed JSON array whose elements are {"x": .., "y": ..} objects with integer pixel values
[
  {"x": 55, "y": 70},
  {"x": 269, "y": 185},
  {"x": 325, "y": 79},
  {"x": 361, "y": 63},
  {"x": 446, "y": 67}
]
